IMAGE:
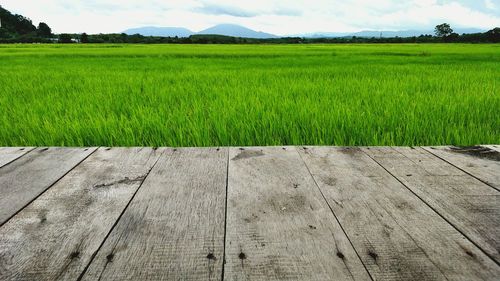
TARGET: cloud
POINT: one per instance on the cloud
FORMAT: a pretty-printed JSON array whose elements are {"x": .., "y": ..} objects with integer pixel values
[
  {"x": 274, "y": 16},
  {"x": 287, "y": 12},
  {"x": 490, "y": 5},
  {"x": 245, "y": 11},
  {"x": 224, "y": 10},
  {"x": 434, "y": 13}
]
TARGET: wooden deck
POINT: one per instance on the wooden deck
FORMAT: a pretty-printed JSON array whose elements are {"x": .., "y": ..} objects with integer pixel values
[{"x": 261, "y": 213}]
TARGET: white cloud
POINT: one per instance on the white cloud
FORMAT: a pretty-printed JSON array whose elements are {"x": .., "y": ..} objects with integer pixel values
[
  {"x": 490, "y": 5},
  {"x": 279, "y": 16}
]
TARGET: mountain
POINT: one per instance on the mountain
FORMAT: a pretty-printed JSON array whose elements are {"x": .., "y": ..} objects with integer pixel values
[
  {"x": 385, "y": 34},
  {"x": 469, "y": 30},
  {"x": 409, "y": 33},
  {"x": 221, "y": 29},
  {"x": 160, "y": 31},
  {"x": 236, "y": 31},
  {"x": 323, "y": 35},
  {"x": 241, "y": 31}
]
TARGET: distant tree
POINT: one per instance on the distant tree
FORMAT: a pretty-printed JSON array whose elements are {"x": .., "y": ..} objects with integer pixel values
[
  {"x": 23, "y": 25},
  {"x": 4, "y": 33},
  {"x": 84, "y": 38},
  {"x": 494, "y": 35},
  {"x": 65, "y": 38},
  {"x": 44, "y": 30},
  {"x": 16, "y": 24},
  {"x": 123, "y": 38},
  {"x": 443, "y": 30},
  {"x": 453, "y": 37}
]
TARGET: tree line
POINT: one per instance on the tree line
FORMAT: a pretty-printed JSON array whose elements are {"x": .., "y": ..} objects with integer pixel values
[
  {"x": 492, "y": 36},
  {"x": 19, "y": 29}
]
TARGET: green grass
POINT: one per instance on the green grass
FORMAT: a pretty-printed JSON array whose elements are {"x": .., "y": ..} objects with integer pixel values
[{"x": 212, "y": 95}]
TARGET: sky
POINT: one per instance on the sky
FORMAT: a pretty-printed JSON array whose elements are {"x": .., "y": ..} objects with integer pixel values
[{"x": 280, "y": 17}]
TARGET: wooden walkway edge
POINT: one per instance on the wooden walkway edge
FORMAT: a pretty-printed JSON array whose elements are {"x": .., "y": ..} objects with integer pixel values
[{"x": 252, "y": 213}]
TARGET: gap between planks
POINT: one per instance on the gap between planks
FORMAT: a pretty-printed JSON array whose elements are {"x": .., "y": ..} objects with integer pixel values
[
  {"x": 472, "y": 161},
  {"x": 68, "y": 221},
  {"x": 27, "y": 177},
  {"x": 11, "y": 154},
  {"x": 449, "y": 191},
  {"x": 224, "y": 244},
  {"x": 390, "y": 211}
]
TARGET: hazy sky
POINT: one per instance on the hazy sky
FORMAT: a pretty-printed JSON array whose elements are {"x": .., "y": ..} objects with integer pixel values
[{"x": 280, "y": 17}]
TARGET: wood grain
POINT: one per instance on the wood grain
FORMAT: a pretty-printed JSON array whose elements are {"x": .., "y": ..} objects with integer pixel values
[
  {"x": 279, "y": 226},
  {"x": 479, "y": 161},
  {"x": 397, "y": 236},
  {"x": 55, "y": 237},
  {"x": 494, "y": 147},
  {"x": 174, "y": 227},
  {"x": 9, "y": 154},
  {"x": 29, "y": 176},
  {"x": 468, "y": 204}
]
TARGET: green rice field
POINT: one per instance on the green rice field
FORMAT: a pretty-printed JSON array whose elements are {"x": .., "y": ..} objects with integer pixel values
[{"x": 242, "y": 95}]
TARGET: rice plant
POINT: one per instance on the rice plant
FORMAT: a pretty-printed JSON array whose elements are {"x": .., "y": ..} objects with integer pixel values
[{"x": 217, "y": 95}]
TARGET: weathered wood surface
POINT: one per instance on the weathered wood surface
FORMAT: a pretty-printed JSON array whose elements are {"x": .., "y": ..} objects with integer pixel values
[
  {"x": 261, "y": 213},
  {"x": 174, "y": 227},
  {"x": 494, "y": 147},
  {"x": 397, "y": 236},
  {"x": 482, "y": 162},
  {"x": 9, "y": 154},
  {"x": 279, "y": 227},
  {"x": 467, "y": 203},
  {"x": 55, "y": 237},
  {"x": 29, "y": 176}
]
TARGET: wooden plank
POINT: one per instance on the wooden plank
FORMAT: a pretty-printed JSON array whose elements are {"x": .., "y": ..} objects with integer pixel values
[
  {"x": 55, "y": 237},
  {"x": 494, "y": 147},
  {"x": 28, "y": 177},
  {"x": 468, "y": 204},
  {"x": 397, "y": 236},
  {"x": 174, "y": 227},
  {"x": 481, "y": 162},
  {"x": 279, "y": 226},
  {"x": 9, "y": 154}
]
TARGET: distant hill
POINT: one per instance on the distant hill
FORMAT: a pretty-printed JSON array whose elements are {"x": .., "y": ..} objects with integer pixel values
[
  {"x": 385, "y": 34},
  {"x": 160, "y": 31},
  {"x": 409, "y": 33},
  {"x": 221, "y": 29},
  {"x": 15, "y": 24},
  {"x": 323, "y": 35},
  {"x": 236, "y": 31},
  {"x": 18, "y": 26},
  {"x": 390, "y": 34}
]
